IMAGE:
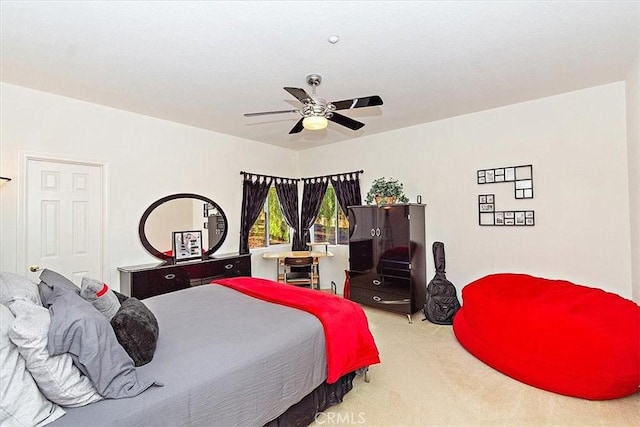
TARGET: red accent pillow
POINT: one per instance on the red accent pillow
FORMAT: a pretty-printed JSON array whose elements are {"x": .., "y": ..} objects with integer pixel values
[{"x": 553, "y": 334}]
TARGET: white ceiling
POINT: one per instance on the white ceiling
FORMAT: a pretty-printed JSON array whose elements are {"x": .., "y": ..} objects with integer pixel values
[{"x": 206, "y": 63}]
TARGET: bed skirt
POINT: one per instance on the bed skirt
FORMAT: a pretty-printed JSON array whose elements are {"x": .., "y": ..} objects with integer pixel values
[{"x": 325, "y": 395}]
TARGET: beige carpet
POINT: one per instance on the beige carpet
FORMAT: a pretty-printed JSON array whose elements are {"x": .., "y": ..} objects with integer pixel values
[{"x": 426, "y": 378}]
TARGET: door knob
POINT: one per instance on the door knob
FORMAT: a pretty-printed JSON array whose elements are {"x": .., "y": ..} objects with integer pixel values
[{"x": 34, "y": 268}]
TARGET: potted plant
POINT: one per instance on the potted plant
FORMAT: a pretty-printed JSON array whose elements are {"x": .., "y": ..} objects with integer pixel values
[{"x": 386, "y": 191}]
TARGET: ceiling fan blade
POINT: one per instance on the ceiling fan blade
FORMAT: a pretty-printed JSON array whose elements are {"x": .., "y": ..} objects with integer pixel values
[
  {"x": 298, "y": 127},
  {"x": 346, "y": 121},
  {"x": 367, "y": 101},
  {"x": 300, "y": 94},
  {"x": 263, "y": 113}
]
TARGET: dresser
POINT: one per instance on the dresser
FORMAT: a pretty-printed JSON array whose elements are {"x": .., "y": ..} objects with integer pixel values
[
  {"x": 387, "y": 258},
  {"x": 144, "y": 281}
]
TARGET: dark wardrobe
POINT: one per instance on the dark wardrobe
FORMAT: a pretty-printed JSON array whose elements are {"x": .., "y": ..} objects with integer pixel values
[{"x": 387, "y": 258}]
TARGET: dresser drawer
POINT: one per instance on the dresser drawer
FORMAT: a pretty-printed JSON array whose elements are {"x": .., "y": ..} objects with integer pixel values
[
  {"x": 157, "y": 282},
  {"x": 145, "y": 281},
  {"x": 400, "y": 286},
  {"x": 235, "y": 267},
  {"x": 229, "y": 268},
  {"x": 380, "y": 299}
]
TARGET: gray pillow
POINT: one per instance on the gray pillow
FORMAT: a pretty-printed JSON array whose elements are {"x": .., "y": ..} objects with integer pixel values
[
  {"x": 13, "y": 286},
  {"x": 22, "y": 404},
  {"x": 100, "y": 296},
  {"x": 49, "y": 280},
  {"x": 57, "y": 377},
  {"x": 79, "y": 329},
  {"x": 137, "y": 330}
]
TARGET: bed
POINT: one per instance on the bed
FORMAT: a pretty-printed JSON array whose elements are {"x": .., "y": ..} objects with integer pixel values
[{"x": 226, "y": 358}]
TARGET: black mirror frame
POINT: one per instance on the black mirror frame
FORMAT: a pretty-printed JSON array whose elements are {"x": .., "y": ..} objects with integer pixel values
[{"x": 156, "y": 253}]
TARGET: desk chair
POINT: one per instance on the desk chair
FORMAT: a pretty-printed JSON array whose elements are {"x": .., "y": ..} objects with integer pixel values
[{"x": 299, "y": 271}]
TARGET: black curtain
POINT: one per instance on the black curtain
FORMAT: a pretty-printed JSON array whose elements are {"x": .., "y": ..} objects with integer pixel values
[
  {"x": 347, "y": 188},
  {"x": 255, "y": 189},
  {"x": 312, "y": 195},
  {"x": 287, "y": 191}
]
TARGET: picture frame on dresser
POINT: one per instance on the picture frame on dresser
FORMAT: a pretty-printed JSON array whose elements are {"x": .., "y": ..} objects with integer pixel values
[{"x": 187, "y": 245}]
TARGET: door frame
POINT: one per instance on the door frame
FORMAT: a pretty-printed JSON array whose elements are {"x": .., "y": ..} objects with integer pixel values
[{"x": 21, "y": 256}]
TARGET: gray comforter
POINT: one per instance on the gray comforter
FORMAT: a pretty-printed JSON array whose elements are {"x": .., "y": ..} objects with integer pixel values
[{"x": 225, "y": 359}]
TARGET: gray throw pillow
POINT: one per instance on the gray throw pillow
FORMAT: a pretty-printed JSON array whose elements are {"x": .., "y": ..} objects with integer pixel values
[
  {"x": 137, "y": 330},
  {"x": 100, "y": 296},
  {"x": 49, "y": 280},
  {"x": 79, "y": 329},
  {"x": 21, "y": 404},
  {"x": 13, "y": 286}
]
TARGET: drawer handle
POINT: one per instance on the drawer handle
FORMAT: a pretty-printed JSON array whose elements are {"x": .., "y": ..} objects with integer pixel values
[
  {"x": 170, "y": 276},
  {"x": 228, "y": 266},
  {"x": 377, "y": 299},
  {"x": 376, "y": 282}
]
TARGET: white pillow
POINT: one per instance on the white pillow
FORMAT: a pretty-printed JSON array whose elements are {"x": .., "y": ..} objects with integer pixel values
[
  {"x": 21, "y": 403},
  {"x": 57, "y": 377},
  {"x": 13, "y": 286}
]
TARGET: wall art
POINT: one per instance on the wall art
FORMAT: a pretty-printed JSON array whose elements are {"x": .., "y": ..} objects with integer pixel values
[
  {"x": 522, "y": 179},
  {"x": 521, "y": 176}
]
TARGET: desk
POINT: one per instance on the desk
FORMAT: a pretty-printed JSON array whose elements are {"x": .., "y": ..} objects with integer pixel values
[{"x": 280, "y": 256}]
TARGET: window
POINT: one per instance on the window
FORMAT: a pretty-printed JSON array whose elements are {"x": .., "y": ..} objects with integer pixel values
[
  {"x": 331, "y": 224},
  {"x": 270, "y": 223}
]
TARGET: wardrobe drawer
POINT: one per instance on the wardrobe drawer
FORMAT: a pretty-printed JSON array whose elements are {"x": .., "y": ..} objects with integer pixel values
[
  {"x": 397, "y": 285},
  {"x": 380, "y": 299}
]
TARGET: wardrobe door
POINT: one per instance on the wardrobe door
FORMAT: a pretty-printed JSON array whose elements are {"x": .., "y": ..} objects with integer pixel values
[
  {"x": 394, "y": 237},
  {"x": 362, "y": 238}
]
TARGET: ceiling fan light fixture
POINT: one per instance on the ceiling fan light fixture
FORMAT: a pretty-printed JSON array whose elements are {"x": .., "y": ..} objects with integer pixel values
[{"x": 314, "y": 122}]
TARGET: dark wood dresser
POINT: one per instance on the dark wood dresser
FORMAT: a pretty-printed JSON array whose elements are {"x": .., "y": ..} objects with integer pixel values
[
  {"x": 144, "y": 281},
  {"x": 387, "y": 259}
]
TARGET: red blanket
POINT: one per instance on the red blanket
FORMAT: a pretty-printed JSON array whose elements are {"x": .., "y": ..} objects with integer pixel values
[{"x": 350, "y": 345}]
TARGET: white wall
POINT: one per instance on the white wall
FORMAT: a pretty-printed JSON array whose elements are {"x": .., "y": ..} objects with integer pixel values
[
  {"x": 577, "y": 145},
  {"x": 633, "y": 155},
  {"x": 141, "y": 154}
]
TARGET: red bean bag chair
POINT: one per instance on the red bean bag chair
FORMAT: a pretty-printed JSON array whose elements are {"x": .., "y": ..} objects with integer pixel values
[{"x": 553, "y": 334}]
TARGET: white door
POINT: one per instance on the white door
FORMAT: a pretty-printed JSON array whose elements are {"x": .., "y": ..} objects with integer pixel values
[{"x": 64, "y": 218}]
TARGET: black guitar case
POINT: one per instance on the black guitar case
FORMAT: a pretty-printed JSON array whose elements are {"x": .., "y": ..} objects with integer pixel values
[{"x": 442, "y": 299}]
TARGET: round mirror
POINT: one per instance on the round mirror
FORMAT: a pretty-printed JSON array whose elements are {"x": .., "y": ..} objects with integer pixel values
[{"x": 170, "y": 217}]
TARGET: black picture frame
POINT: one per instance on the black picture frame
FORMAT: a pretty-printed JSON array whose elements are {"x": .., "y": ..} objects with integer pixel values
[{"x": 187, "y": 245}]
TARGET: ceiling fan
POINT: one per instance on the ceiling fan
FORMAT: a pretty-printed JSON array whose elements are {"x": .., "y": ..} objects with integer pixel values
[{"x": 315, "y": 111}]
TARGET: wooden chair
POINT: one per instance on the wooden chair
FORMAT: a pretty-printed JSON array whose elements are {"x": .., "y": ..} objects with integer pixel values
[{"x": 299, "y": 271}]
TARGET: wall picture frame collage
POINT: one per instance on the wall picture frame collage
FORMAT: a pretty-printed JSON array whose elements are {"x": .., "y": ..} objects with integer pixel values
[
  {"x": 522, "y": 179},
  {"x": 521, "y": 176},
  {"x": 489, "y": 216}
]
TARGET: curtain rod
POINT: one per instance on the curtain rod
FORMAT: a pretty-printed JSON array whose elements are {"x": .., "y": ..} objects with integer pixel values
[
  {"x": 268, "y": 176},
  {"x": 334, "y": 174},
  {"x": 300, "y": 179}
]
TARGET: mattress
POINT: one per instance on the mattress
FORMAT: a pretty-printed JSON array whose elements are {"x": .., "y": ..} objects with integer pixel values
[{"x": 224, "y": 358}]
